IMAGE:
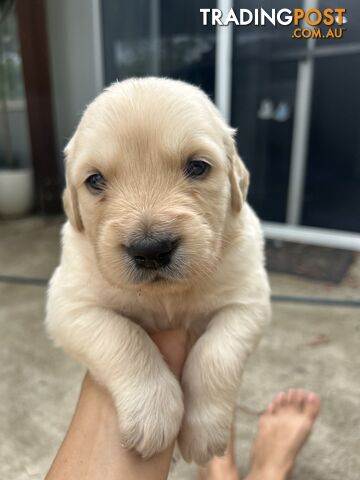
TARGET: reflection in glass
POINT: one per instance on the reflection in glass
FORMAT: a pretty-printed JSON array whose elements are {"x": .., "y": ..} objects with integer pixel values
[
  {"x": 159, "y": 37},
  {"x": 14, "y": 141}
]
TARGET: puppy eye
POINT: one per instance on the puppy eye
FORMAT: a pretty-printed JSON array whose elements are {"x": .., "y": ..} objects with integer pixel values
[
  {"x": 96, "y": 182},
  {"x": 196, "y": 168}
]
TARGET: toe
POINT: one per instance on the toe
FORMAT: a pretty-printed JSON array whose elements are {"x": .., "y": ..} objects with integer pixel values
[
  {"x": 290, "y": 396},
  {"x": 270, "y": 408},
  {"x": 282, "y": 400},
  {"x": 299, "y": 398},
  {"x": 312, "y": 405},
  {"x": 275, "y": 404}
]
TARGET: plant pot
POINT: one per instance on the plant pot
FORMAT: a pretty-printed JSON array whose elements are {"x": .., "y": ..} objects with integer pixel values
[{"x": 16, "y": 192}]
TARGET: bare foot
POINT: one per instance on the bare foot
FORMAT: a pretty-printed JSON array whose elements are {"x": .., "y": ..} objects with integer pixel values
[{"x": 282, "y": 431}]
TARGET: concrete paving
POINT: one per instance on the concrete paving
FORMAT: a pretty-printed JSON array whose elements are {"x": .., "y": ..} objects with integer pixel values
[{"x": 314, "y": 347}]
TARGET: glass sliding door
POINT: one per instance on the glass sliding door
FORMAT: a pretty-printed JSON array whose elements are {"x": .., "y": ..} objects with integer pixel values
[
  {"x": 263, "y": 97},
  {"x": 263, "y": 105},
  {"x": 129, "y": 38},
  {"x": 188, "y": 48},
  {"x": 265, "y": 84},
  {"x": 159, "y": 37},
  {"x": 14, "y": 134},
  {"x": 332, "y": 186}
]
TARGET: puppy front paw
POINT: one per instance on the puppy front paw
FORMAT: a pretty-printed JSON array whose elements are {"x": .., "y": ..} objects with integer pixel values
[
  {"x": 150, "y": 415},
  {"x": 203, "y": 435}
]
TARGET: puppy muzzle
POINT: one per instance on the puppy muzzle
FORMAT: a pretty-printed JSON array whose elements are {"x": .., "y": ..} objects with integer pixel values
[{"x": 152, "y": 253}]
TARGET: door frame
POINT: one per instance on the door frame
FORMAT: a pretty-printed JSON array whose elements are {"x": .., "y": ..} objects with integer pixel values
[{"x": 32, "y": 31}]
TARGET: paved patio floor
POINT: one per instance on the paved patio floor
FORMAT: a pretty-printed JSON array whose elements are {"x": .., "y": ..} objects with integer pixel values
[{"x": 314, "y": 347}]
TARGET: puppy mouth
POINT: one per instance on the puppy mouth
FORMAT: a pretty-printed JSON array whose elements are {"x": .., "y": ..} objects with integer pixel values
[
  {"x": 157, "y": 276},
  {"x": 157, "y": 279},
  {"x": 153, "y": 278}
]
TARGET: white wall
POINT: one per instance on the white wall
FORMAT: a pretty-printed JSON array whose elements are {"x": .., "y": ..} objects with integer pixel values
[{"x": 75, "y": 59}]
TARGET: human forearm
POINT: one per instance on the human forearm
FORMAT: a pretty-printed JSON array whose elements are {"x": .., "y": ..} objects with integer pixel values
[{"x": 92, "y": 448}]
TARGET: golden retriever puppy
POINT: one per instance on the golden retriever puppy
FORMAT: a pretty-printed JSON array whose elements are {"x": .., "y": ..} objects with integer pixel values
[{"x": 159, "y": 236}]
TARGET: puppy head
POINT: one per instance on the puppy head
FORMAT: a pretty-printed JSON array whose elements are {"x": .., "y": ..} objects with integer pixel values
[{"x": 155, "y": 182}]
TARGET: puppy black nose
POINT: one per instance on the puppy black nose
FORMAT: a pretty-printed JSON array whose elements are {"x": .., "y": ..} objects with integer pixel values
[{"x": 151, "y": 253}]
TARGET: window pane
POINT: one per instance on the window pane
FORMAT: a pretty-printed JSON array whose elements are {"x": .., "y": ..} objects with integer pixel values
[
  {"x": 332, "y": 194},
  {"x": 159, "y": 37},
  {"x": 263, "y": 94},
  {"x": 14, "y": 134},
  {"x": 128, "y": 50},
  {"x": 332, "y": 189},
  {"x": 188, "y": 47}
]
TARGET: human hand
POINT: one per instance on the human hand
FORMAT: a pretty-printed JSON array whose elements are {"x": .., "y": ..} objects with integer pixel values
[{"x": 174, "y": 346}]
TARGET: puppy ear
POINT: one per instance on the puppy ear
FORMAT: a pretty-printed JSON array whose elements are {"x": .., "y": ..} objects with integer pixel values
[
  {"x": 70, "y": 197},
  {"x": 71, "y": 207},
  {"x": 239, "y": 178},
  {"x": 239, "y": 181}
]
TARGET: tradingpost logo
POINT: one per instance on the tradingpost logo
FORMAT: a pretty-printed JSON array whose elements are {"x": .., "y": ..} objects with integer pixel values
[{"x": 313, "y": 23}]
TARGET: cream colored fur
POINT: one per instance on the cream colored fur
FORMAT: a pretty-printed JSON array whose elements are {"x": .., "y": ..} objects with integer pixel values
[{"x": 139, "y": 134}]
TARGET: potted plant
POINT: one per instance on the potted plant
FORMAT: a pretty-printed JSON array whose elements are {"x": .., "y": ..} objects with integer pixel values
[{"x": 16, "y": 179}]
